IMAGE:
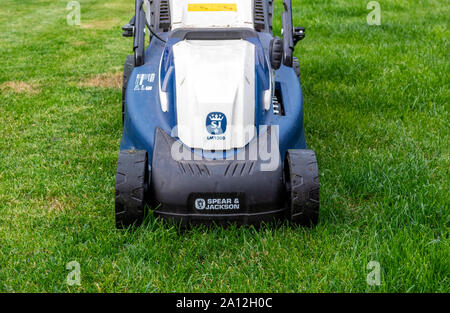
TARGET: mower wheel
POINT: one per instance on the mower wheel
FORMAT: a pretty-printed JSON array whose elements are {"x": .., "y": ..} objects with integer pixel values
[
  {"x": 127, "y": 70},
  {"x": 296, "y": 66},
  {"x": 301, "y": 176},
  {"x": 131, "y": 187}
]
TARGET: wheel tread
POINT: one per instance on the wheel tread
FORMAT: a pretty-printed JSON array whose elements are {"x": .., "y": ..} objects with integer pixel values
[
  {"x": 131, "y": 176},
  {"x": 303, "y": 204}
]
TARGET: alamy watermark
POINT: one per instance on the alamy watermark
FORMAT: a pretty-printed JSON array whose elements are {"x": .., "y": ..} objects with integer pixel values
[
  {"x": 261, "y": 146},
  {"x": 74, "y": 15},
  {"x": 374, "y": 277},
  {"x": 74, "y": 277},
  {"x": 374, "y": 16}
]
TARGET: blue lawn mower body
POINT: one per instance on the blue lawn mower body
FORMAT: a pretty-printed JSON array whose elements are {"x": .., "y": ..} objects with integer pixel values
[{"x": 213, "y": 118}]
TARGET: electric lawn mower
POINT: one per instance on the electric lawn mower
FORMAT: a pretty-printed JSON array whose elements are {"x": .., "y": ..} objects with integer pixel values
[{"x": 212, "y": 117}]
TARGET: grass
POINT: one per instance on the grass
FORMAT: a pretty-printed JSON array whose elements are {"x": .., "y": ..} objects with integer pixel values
[{"x": 376, "y": 113}]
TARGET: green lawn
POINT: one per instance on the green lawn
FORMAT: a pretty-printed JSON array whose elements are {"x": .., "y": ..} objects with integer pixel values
[{"x": 376, "y": 113}]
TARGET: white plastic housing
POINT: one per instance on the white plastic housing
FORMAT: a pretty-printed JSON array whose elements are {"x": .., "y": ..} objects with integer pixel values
[{"x": 215, "y": 76}]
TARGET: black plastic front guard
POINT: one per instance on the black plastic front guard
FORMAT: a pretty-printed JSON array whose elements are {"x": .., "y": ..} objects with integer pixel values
[{"x": 202, "y": 191}]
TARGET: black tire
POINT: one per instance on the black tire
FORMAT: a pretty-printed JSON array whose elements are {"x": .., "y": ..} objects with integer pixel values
[
  {"x": 301, "y": 176},
  {"x": 296, "y": 66},
  {"x": 127, "y": 70},
  {"x": 276, "y": 53},
  {"x": 131, "y": 187}
]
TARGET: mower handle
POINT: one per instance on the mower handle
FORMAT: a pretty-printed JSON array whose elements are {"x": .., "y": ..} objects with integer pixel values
[
  {"x": 288, "y": 40},
  {"x": 139, "y": 34},
  {"x": 291, "y": 35}
]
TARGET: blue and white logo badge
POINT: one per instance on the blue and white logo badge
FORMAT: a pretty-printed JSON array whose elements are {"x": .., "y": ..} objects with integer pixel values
[
  {"x": 216, "y": 123},
  {"x": 200, "y": 204}
]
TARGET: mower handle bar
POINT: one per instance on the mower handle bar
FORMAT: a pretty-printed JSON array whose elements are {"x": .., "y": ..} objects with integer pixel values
[{"x": 137, "y": 24}]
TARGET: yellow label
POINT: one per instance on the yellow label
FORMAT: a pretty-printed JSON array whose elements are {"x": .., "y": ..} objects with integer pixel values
[{"x": 212, "y": 7}]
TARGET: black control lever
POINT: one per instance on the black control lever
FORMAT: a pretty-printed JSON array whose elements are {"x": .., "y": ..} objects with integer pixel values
[
  {"x": 299, "y": 34},
  {"x": 128, "y": 29}
]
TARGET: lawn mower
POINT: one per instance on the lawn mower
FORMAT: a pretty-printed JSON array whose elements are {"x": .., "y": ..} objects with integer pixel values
[{"x": 212, "y": 113}]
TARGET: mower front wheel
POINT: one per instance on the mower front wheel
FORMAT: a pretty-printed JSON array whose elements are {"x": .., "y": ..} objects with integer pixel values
[
  {"x": 131, "y": 187},
  {"x": 301, "y": 176}
]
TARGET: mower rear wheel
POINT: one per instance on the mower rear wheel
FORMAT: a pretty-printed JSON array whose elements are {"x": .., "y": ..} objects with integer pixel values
[
  {"x": 301, "y": 175},
  {"x": 127, "y": 70},
  {"x": 131, "y": 187},
  {"x": 296, "y": 66}
]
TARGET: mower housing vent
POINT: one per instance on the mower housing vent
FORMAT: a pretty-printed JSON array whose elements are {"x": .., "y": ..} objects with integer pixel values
[
  {"x": 164, "y": 15},
  {"x": 259, "y": 17}
]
